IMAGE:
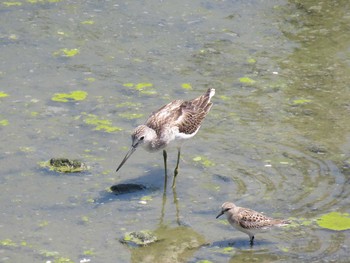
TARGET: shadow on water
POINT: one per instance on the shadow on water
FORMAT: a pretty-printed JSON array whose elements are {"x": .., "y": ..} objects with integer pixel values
[
  {"x": 136, "y": 188},
  {"x": 133, "y": 188},
  {"x": 241, "y": 243}
]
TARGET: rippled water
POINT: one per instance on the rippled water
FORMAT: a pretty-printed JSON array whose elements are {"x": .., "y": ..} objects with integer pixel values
[{"x": 276, "y": 139}]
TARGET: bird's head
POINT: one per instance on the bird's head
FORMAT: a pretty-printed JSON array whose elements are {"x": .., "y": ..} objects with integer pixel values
[{"x": 225, "y": 208}]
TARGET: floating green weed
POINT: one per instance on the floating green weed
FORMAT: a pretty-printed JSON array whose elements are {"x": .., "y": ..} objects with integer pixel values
[
  {"x": 335, "y": 221},
  {"x": 63, "y": 260},
  {"x": 89, "y": 252},
  {"x": 224, "y": 97},
  {"x": 246, "y": 80},
  {"x": 146, "y": 198},
  {"x": 4, "y": 122},
  {"x": 49, "y": 254},
  {"x": 3, "y": 94},
  {"x": 251, "y": 60},
  {"x": 100, "y": 124},
  {"x": 142, "y": 87},
  {"x": 7, "y": 243},
  {"x": 85, "y": 219},
  {"x": 128, "y": 85},
  {"x": 26, "y": 149},
  {"x": 43, "y": 223},
  {"x": 65, "y": 52},
  {"x": 12, "y": 3},
  {"x": 88, "y": 22},
  {"x": 227, "y": 250},
  {"x": 73, "y": 96},
  {"x": 300, "y": 101},
  {"x": 91, "y": 79},
  {"x": 186, "y": 86},
  {"x": 204, "y": 161},
  {"x": 43, "y": 1}
]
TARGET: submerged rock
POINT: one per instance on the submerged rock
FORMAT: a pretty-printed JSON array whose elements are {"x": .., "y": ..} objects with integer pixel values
[
  {"x": 119, "y": 189},
  {"x": 139, "y": 238},
  {"x": 64, "y": 165}
]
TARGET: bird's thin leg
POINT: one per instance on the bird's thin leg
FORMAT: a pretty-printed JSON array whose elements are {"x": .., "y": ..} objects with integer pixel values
[
  {"x": 176, "y": 171},
  {"x": 165, "y": 155},
  {"x": 162, "y": 213},
  {"x": 176, "y": 202},
  {"x": 251, "y": 241}
]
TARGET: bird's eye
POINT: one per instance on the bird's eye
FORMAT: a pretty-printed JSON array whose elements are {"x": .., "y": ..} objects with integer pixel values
[
  {"x": 141, "y": 138},
  {"x": 226, "y": 209}
]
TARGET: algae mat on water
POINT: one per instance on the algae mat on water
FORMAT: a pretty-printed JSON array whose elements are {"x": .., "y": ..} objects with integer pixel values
[{"x": 335, "y": 221}]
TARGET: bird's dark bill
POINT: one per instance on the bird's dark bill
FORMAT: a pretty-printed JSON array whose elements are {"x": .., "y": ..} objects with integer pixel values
[
  {"x": 129, "y": 153},
  {"x": 221, "y": 213}
]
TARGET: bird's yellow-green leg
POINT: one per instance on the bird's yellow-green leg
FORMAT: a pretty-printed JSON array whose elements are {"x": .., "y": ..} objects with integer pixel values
[
  {"x": 165, "y": 155},
  {"x": 176, "y": 171}
]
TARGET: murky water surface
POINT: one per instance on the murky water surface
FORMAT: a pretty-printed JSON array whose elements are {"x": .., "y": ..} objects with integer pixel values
[{"x": 77, "y": 77}]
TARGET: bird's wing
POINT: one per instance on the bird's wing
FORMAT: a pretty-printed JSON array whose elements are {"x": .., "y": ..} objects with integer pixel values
[
  {"x": 191, "y": 116},
  {"x": 166, "y": 115},
  {"x": 250, "y": 219}
]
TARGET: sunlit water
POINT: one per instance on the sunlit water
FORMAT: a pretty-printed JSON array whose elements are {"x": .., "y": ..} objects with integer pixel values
[{"x": 276, "y": 139}]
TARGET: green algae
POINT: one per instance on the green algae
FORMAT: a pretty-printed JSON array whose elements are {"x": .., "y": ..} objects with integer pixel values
[
  {"x": 146, "y": 198},
  {"x": 246, "y": 80},
  {"x": 88, "y": 22},
  {"x": 140, "y": 238},
  {"x": 64, "y": 165},
  {"x": 251, "y": 60},
  {"x": 100, "y": 124},
  {"x": 43, "y": 224},
  {"x": 335, "y": 221},
  {"x": 43, "y": 1},
  {"x": 4, "y": 122},
  {"x": 224, "y": 97},
  {"x": 142, "y": 87},
  {"x": 63, "y": 260},
  {"x": 7, "y": 243},
  {"x": 128, "y": 85},
  {"x": 91, "y": 79},
  {"x": 77, "y": 95},
  {"x": 227, "y": 250},
  {"x": 89, "y": 252},
  {"x": 49, "y": 254},
  {"x": 301, "y": 101},
  {"x": 12, "y": 3},
  {"x": 204, "y": 161},
  {"x": 65, "y": 52},
  {"x": 186, "y": 86},
  {"x": 3, "y": 94},
  {"x": 27, "y": 149},
  {"x": 85, "y": 219},
  {"x": 56, "y": 257}
]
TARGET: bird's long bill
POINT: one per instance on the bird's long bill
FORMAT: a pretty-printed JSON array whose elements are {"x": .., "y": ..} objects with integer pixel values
[
  {"x": 221, "y": 213},
  {"x": 129, "y": 153}
]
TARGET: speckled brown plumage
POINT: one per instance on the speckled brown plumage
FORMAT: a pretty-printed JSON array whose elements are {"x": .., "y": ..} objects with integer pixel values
[
  {"x": 247, "y": 220},
  {"x": 177, "y": 121},
  {"x": 186, "y": 115}
]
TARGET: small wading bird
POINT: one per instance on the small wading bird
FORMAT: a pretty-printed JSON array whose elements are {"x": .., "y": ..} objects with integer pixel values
[
  {"x": 247, "y": 220},
  {"x": 177, "y": 121}
]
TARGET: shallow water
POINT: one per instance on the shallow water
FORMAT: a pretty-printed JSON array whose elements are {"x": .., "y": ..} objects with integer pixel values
[{"x": 276, "y": 140}]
